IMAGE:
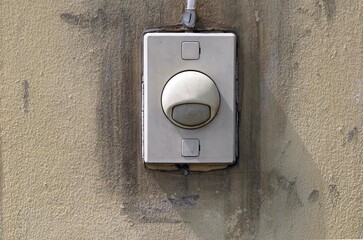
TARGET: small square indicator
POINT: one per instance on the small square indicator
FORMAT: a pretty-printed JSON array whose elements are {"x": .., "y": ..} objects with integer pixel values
[
  {"x": 190, "y": 147},
  {"x": 190, "y": 50}
]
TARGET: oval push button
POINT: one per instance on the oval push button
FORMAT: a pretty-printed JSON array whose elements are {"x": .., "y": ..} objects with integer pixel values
[
  {"x": 191, "y": 114},
  {"x": 190, "y": 99}
]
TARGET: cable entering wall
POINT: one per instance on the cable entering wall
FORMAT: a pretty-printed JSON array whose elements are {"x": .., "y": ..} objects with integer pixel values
[{"x": 190, "y": 15}]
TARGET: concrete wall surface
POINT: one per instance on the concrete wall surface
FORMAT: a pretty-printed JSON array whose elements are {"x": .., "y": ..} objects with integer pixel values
[{"x": 70, "y": 164}]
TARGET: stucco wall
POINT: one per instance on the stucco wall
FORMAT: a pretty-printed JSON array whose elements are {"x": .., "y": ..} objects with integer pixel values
[{"x": 70, "y": 116}]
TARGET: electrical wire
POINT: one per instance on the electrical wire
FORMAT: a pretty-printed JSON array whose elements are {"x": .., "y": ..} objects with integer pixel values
[
  {"x": 190, "y": 15},
  {"x": 191, "y": 4}
]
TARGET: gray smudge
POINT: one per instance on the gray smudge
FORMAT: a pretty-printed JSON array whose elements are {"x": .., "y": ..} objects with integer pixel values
[
  {"x": 86, "y": 20},
  {"x": 25, "y": 84},
  {"x": 187, "y": 201},
  {"x": 352, "y": 134},
  {"x": 278, "y": 181},
  {"x": 161, "y": 212},
  {"x": 147, "y": 219},
  {"x": 327, "y": 7},
  {"x": 334, "y": 194},
  {"x": 118, "y": 113},
  {"x": 293, "y": 199},
  {"x": 287, "y": 145}
]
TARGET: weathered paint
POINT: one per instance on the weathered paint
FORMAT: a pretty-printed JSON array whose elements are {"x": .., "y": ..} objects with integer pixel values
[{"x": 70, "y": 116}]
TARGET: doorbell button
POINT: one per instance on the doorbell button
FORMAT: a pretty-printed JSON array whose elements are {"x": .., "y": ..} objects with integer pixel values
[{"x": 190, "y": 99}]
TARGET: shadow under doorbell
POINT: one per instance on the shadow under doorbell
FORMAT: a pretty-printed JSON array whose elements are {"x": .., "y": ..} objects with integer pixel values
[{"x": 189, "y": 111}]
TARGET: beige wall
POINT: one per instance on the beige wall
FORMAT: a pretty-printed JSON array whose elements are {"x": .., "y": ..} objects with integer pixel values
[{"x": 70, "y": 117}]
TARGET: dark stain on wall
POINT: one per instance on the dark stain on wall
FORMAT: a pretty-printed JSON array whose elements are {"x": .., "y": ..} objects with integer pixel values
[
  {"x": 329, "y": 9},
  {"x": 352, "y": 134},
  {"x": 116, "y": 29},
  {"x": 279, "y": 182},
  {"x": 97, "y": 19},
  {"x": 119, "y": 114},
  {"x": 186, "y": 201},
  {"x": 112, "y": 29},
  {"x": 334, "y": 194},
  {"x": 314, "y": 196},
  {"x": 26, "y": 86},
  {"x": 162, "y": 211}
]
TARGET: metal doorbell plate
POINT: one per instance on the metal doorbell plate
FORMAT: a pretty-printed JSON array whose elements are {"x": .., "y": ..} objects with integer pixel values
[{"x": 189, "y": 99}]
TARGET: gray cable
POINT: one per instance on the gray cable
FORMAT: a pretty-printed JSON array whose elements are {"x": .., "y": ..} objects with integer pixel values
[
  {"x": 191, "y": 4},
  {"x": 190, "y": 15}
]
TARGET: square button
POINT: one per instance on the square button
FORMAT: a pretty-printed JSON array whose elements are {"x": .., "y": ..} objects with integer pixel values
[
  {"x": 190, "y": 147},
  {"x": 190, "y": 50}
]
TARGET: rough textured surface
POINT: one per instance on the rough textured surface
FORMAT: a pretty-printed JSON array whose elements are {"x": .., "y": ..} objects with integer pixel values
[{"x": 70, "y": 116}]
